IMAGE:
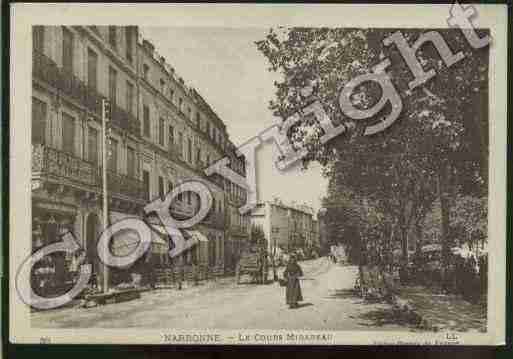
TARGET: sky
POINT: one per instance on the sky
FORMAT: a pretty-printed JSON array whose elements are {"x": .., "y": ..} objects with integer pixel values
[{"x": 224, "y": 65}]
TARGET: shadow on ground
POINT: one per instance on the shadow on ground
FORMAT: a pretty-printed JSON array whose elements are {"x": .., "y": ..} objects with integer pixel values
[
  {"x": 343, "y": 294},
  {"x": 302, "y": 305},
  {"x": 381, "y": 317}
]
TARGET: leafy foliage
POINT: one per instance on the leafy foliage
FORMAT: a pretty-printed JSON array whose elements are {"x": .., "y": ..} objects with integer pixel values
[{"x": 436, "y": 148}]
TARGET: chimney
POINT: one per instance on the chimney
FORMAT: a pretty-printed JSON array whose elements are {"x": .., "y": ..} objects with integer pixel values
[
  {"x": 148, "y": 46},
  {"x": 181, "y": 80},
  {"x": 162, "y": 60}
]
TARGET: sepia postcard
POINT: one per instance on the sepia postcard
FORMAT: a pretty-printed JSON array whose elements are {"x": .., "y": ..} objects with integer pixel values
[{"x": 294, "y": 174}]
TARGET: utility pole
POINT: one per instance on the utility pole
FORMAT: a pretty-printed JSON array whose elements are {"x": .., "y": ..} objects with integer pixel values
[
  {"x": 106, "y": 114},
  {"x": 274, "y": 233}
]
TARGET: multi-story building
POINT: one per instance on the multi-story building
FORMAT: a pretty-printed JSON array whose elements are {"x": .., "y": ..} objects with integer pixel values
[
  {"x": 161, "y": 134},
  {"x": 288, "y": 227},
  {"x": 74, "y": 68},
  {"x": 180, "y": 138}
]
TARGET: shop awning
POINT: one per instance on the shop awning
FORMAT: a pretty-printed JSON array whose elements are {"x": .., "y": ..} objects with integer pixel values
[{"x": 198, "y": 235}]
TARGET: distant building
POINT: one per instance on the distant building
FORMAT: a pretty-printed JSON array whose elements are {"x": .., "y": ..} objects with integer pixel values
[{"x": 288, "y": 227}]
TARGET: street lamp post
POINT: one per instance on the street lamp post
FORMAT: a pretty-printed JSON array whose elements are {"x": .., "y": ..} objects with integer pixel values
[{"x": 275, "y": 231}]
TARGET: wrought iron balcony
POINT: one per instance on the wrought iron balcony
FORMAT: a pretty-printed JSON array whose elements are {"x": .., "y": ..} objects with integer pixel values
[
  {"x": 236, "y": 229},
  {"x": 215, "y": 220},
  {"x": 125, "y": 120},
  {"x": 60, "y": 167},
  {"x": 181, "y": 209},
  {"x": 124, "y": 185},
  {"x": 175, "y": 151},
  {"x": 50, "y": 162},
  {"x": 46, "y": 70}
]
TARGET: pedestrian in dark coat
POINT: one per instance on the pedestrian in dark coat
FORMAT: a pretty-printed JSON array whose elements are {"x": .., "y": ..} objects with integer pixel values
[{"x": 291, "y": 274}]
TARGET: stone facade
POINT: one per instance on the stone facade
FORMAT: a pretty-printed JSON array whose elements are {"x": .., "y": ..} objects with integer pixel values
[
  {"x": 161, "y": 134},
  {"x": 289, "y": 227}
]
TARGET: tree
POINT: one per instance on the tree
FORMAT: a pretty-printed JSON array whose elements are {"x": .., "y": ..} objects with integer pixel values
[{"x": 436, "y": 145}]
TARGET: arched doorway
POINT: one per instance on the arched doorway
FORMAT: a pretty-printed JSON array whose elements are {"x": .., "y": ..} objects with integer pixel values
[{"x": 92, "y": 232}]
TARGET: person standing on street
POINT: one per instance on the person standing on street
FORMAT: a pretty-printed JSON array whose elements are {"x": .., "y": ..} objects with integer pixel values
[{"x": 291, "y": 274}]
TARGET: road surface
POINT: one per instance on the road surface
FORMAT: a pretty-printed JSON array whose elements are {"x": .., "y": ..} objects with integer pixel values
[{"x": 329, "y": 304}]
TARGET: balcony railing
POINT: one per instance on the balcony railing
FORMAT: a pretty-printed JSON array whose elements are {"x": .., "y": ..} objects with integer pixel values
[
  {"x": 125, "y": 120},
  {"x": 238, "y": 229},
  {"x": 125, "y": 185},
  {"x": 215, "y": 220},
  {"x": 180, "y": 208},
  {"x": 49, "y": 161},
  {"x": 47, "y": 70},
  {"x": 175, "y": 151}
]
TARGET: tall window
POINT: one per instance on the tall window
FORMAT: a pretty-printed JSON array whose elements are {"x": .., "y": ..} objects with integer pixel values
[
  {"x": 92, "y": 69},
  {"x": 161, "y": 187},
  {"x": 112, "y": 85},
  {"x": 161, "y": 131},
  {"x": 180, "y": 103},
  {"x": 146, "y": 183},
  {"x": 112, "y": 37},
  {"x": 67, "y": 50},
  {"x": 180, "y": 143},
  {"x": 130, "y": 162},
  {"x": 146, "y": 121},
  {"x": 189, "y": 150},
  {"x": 92, "y": 145},
  {"x": 171, "y": 135},
  {"x": 189, "y": 201},
  {"x": 189, "y": 113},
  {"x": 38, "y": 39},
  {"x": 169, "y": 186},
  {"x": 208, "y": 129},
  {"x": 130, "y": 97},
  {"x": 39, "y": 111},
  {"x": 171, "y": 94},
  {"x": 128, "y": 41},
  {"x": 198, "y": 120},
  {"x": 68, "y": 133},
  {"x": 198, "y": 155},
  {"x": 112, "y": 162},
  {"x": 208, "y": 160}
]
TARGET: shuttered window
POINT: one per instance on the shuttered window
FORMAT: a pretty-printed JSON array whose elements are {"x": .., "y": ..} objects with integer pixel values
[
  {"x": 92, "y": 69},
  {"x": 131, "y": 162},
  {"x": 67, "y": 50},
  {"x": 93, "y": 145},
  {"x": 39, "y": 111},
  {"x": 68, "y": 134},
  {"x": 38, "y": 39},
  {"x": 146, "y": 121}
]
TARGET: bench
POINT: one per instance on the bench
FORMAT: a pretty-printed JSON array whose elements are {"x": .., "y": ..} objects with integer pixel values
[{"x": 113, "y": 297}]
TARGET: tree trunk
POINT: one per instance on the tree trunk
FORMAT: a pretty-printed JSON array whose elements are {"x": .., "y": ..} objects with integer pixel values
[{"x": 443, "y": 193}]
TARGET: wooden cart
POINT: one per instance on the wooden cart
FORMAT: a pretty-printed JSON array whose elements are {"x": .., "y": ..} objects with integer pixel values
[{"x": 255, "y": 264}]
